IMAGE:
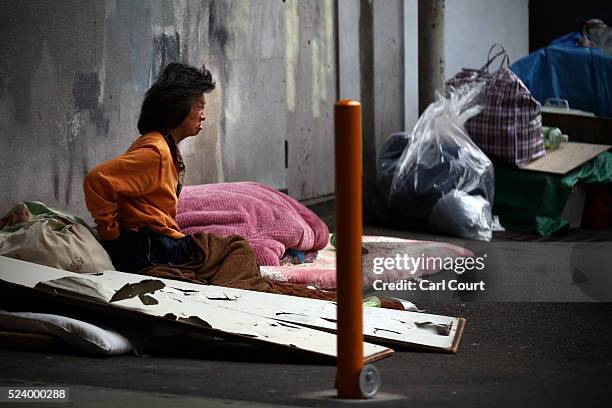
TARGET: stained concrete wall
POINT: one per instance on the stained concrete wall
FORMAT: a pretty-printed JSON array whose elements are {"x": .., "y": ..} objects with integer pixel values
[
  {"x": 73, "y": 75},
  {"x": 311, "y": 94},
  {"x": 411, "y": 63},
  {"x": 388, "y": 68},
  {"x": 471, "y": 27},
  {"x": 371, "y": 70},
  {"x": 371, "y": 48}
]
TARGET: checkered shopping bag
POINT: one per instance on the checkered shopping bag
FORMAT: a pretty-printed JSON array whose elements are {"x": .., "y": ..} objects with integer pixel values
[{"x": 509, "y": 128}]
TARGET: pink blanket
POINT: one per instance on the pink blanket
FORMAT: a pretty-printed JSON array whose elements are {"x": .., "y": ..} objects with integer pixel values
[{"x": 270, "y": 220}]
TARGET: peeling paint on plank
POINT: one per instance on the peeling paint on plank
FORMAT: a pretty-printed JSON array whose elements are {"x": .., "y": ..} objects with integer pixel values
[
  {"x": 224, "y": 297},
  {"x": 195, "y": 320},
  {"x": 147, "y": 300},
  {"x": 441, "y": 329},
  {"x": 131, "y": 290}
]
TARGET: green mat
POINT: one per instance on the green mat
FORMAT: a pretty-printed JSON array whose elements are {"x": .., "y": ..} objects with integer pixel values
[{"x": 533, "y": 201}]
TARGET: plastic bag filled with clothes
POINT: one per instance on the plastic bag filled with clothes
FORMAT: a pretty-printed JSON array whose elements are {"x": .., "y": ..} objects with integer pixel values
[{"x": 443, "y": 182}]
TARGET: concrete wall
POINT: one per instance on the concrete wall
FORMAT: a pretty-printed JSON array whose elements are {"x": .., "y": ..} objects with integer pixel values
[
  {"x": 471, "y": 27},
  {"x": 411, "y": 63},
  {"x": 388, "y": 68},
  {"x": 371, "y": 70},
  {"x": 311, "y": 94},
  {"x": 73, "y": 75}
]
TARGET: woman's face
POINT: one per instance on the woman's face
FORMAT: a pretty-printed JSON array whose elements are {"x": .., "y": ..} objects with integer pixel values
[{"x": 192, "y": 124}]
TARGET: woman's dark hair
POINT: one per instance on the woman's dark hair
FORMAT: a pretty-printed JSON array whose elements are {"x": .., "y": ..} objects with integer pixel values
[{"x": 168, "y": 102}]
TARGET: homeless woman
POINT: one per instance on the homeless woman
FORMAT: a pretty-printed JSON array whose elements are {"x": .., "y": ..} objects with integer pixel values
[{"x": 133, "y": 198}]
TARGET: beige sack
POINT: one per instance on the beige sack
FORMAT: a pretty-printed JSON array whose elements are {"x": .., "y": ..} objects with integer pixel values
[{"x": 51, "y": 242}]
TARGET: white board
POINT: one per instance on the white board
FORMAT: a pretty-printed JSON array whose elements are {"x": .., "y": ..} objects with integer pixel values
[
  {"x": 381, "y": 326},
  {"x": 101, "y": 288}
]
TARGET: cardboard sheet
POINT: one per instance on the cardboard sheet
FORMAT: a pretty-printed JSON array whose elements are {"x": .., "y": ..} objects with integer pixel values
[{"x": 566, "y": 157}]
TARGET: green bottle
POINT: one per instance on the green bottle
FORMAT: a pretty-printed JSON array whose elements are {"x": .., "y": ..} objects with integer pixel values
[
  {"x": 553, "y": 137},
  {"x": 332, "y": 241}
]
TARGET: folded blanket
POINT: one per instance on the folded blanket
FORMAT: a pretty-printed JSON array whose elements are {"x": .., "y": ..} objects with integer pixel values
[{"x": 271, "y": 221}]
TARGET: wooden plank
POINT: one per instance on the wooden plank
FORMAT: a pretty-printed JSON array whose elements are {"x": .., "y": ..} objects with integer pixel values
[
  {"x": 381, "y": 326},
  {"x": 566, "y": 157},
  {"x": 177, "y": 306}
]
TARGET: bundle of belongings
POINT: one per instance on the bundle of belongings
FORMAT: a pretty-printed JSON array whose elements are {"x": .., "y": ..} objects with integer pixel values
[
  {"x": 576, "y": 71},
  {"x": 34, "y": 232},
  {"x": 509, "y": 127},
  {"x": 442, "y": 176},
  {"x": 436, "y": 178},
  {"x": 576, "y": 67},
  {"x": 596, "y": 34}
]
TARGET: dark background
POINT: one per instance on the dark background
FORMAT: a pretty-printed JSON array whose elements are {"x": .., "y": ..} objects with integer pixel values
[{"x": 549, "y": 19}]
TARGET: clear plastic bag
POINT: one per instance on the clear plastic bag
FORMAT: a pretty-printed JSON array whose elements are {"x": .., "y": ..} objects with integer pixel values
[{"x": 443, "y": 182}]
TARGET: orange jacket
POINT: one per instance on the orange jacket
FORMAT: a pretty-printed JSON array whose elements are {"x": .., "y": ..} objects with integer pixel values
[{"x": 135, "y": 190}]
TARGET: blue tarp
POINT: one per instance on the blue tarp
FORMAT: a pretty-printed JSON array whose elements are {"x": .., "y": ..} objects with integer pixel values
[{"x": 565, "y": 70}]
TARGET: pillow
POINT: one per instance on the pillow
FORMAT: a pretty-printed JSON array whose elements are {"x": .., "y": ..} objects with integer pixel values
[{"x": 82, "y": 335}]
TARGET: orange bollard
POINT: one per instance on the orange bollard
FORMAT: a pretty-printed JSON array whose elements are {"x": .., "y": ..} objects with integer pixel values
[{"x": 347, "y": 124}]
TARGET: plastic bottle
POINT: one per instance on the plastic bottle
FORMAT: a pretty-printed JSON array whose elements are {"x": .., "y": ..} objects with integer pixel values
[
  {"x": 390, "y": 303},
  {"x": 553, "y": 137}
]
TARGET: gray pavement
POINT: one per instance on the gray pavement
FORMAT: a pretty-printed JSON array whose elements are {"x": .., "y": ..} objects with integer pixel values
[
  {"x": 520, "y": 348},
  {"x": 512, "y": 354}
]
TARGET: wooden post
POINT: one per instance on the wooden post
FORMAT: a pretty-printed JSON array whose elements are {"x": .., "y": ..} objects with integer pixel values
[{"x": 348, "y": 163}]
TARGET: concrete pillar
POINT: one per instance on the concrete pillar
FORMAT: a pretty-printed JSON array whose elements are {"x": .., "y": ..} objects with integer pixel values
[
  {"x": 366, "y": 62},
  {"x": 431, "y": 50}
]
